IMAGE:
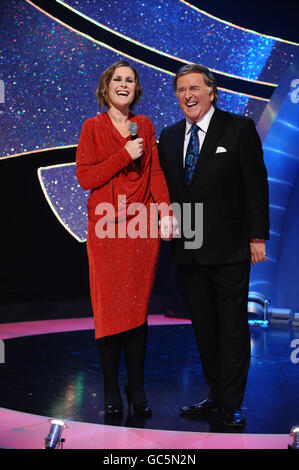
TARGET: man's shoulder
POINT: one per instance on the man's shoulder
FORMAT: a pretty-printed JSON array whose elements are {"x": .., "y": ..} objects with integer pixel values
[
  {"x": 234, "y": 118},
  {"x": 174, "y": 128}
]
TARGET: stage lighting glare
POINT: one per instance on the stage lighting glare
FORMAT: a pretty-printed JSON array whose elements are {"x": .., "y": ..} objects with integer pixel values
[
  {"x": 295, "y": 434},
  {"x": 53, "y": 440}
]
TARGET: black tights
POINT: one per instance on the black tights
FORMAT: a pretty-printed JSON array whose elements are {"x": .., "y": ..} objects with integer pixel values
[{"x": 133, "y": 343}]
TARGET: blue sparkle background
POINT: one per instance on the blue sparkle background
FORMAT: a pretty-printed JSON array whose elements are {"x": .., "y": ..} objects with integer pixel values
[
  {"x": 181, "y": 31},
  {"x": 50, "y": 74}
]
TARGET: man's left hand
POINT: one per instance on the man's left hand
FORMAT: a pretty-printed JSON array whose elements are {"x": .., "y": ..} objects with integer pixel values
[
  {"x": 169, "y": 227},
  {"x": 258, "y": 250}
]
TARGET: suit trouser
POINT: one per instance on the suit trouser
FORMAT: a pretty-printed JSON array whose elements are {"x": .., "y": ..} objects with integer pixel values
[{"x": 217, "y": 297}]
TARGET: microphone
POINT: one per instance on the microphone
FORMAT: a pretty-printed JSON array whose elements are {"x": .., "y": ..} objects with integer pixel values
[{"x": 133, "y": 129}]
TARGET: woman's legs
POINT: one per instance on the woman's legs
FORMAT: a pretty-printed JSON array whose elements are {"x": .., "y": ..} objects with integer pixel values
[
  {"x": 134, "y": 343},
  {"x": 110, "y": 352}
]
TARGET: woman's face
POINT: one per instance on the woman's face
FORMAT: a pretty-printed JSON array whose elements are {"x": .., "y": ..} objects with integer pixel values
[{"x": 121, "y": 89}]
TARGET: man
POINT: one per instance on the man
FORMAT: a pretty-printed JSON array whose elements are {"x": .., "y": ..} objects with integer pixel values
[{"x": 220, "y": 164}]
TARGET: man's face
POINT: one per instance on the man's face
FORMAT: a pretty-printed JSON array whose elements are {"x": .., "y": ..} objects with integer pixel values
[{"x": 194, "y": 96}]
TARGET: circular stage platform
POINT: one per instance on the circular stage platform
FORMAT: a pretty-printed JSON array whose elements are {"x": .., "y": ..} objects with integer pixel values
[{"x": 52, "y": 370}]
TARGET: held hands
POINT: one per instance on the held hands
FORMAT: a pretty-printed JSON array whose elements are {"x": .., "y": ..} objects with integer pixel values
[
  {"x": 135, "y": 148},
  {"x": 258, "y": 250},
  {"x": 169, "y": 227}
]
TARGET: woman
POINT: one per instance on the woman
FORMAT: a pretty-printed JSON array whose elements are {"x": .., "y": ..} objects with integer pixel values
[{"x": 121, "y": 172}]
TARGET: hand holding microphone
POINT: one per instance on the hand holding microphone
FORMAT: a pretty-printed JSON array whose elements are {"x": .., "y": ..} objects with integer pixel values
[{"x": 135, "y": 145}]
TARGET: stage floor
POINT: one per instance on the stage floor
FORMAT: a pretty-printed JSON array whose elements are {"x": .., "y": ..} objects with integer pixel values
[{"x": 51, "y": 370}]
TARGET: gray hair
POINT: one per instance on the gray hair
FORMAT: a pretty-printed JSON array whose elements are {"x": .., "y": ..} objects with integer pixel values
[{"x": 204, "y": 71}]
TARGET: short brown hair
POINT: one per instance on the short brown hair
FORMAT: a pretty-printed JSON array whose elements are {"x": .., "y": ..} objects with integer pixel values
[
  {"x": 105, "y": 78},
  {"x": 207, "y": 75}
]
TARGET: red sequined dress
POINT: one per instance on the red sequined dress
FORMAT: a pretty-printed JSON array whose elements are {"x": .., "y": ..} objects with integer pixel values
[{"x": 121, "y": 267}]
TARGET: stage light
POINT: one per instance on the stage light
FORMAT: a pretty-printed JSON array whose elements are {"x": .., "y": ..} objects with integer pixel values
[
  {"x": 53, "y": 439},
  {"x": 258, "y": 308},
  {"x": 295, "y": 434}
]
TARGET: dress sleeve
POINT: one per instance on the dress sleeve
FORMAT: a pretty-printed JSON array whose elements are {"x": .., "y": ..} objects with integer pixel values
[
  {"x": 90, "y": 172},
  {"x": 158, "y": 184}
]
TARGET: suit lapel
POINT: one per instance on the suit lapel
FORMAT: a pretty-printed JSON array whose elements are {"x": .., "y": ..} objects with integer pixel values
[{"x": 215, "y": 131}]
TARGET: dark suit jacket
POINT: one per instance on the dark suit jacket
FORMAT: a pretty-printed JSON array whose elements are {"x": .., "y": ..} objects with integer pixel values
[{"x": 232, "y": 186}]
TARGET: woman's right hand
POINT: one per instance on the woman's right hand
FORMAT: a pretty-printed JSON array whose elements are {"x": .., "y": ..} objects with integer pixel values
[{"x": 135, "y": 148}]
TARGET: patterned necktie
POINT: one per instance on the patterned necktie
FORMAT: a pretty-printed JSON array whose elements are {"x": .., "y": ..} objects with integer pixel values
[{"x": 192, "y": 153}]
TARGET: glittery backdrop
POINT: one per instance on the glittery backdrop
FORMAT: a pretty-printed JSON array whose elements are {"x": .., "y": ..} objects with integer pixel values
[
  {"x": 66, "y": 198},
  {"x": 175, "y": 28},
  {"x": 51, "y": 73}
]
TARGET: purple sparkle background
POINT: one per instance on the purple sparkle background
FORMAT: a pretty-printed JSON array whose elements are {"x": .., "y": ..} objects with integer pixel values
[
  {"x": 181, "y": 31},
  {"x": 51, "y": 73}
]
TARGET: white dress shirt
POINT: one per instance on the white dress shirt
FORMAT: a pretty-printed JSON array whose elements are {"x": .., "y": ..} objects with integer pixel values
[{"x": 203, "y": 123}]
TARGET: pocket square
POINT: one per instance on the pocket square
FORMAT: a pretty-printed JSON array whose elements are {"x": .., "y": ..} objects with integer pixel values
[{"x": 221, "y": 150}]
